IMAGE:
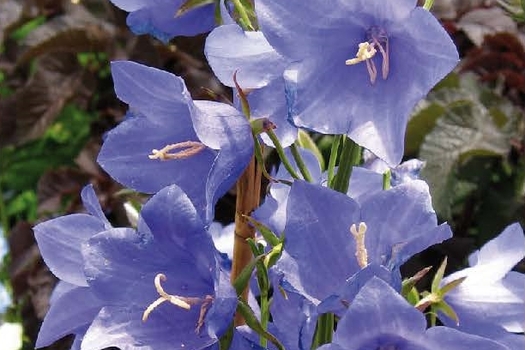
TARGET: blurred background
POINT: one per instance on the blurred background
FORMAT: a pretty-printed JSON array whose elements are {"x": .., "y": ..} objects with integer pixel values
[{"x": 57, "y": 101}]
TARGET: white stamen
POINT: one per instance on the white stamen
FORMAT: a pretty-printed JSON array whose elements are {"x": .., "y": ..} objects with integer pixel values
[
  {"x": 189, "y": 148},
  {"x": 182, "y": 302}
]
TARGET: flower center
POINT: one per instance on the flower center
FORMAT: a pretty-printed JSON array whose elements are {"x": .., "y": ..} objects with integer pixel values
[
  {"x": 377, "y": 41},
  {"x": 183, "y": 302},
  {"x": 359, "y": 236},
  {"x": 185, "y": 149}
]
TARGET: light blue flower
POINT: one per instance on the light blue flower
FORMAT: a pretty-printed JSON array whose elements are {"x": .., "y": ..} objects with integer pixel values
[{"x": 492, "y": 292}]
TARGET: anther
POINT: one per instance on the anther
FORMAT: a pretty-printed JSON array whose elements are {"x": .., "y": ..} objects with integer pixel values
[
  {"x": 359, "y": 236},
  {"x": 367, "y": 51},
  {"x": 186, "y": 150},
  {"x": 182, "y": 302},
  {"x": 174, "y": 299}
]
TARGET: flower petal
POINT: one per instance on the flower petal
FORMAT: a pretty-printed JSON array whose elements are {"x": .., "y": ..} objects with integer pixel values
[
  {"x": 71, "y": 312},
  {"x": 60, "y": 241},
  {"x": 252, "y": 58}
]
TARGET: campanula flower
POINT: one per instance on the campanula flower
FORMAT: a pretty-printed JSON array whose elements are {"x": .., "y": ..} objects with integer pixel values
[
  {"x": 491, "y": 291},
  {"x": 159, "y": 18},
  {"x": 358, "y": 67},
  {"x": 73, "y": 305},
  {"x": 161, "y": 285},
  {"x": 167, "y": 136},
  {"x": 379, "y": 318},
  {"x": 330, "y": 236}
]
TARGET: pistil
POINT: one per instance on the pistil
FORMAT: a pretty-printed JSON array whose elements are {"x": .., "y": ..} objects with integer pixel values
[{"x": 359, "y": 236}]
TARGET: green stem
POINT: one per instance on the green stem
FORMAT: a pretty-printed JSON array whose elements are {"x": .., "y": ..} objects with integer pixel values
[
  {"x": 333, "y": 157},
  {"x": 300, "y": 163},
  {"x": 265, "y": 316},
  {"x": 428, "y": 4},
  {"x": 260, "y": 159},
  {"x": 350, "y": 156},
  {"x": 324, "y": 331},
  {"x": 280, "y": 152},
  {"x": 245, "y": 18},
  {"x": 387, "y": 177}
]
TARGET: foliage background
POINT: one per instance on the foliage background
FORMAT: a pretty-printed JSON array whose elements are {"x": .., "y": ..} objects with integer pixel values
[{"x": 57, "y": 101}]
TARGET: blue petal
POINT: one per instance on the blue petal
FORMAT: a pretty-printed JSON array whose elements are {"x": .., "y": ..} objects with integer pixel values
[
  {"x": 252, "y": 58},
  {"x": 351, "y": 287},
  {"x": 122, "y": 327},
  {"x": 294, "y": 319},
  {"x": 377, "y": 311},
  {"x": 401, "y": 223},
  {"x": 270, "y": 102},
  {"x": 159, "y": 19},
  {"x": 220, "y": 314},
  {"x": 71, "y": 313},
  {"x": 125, "y": 151},
  {"x": 448, "y": 338},
  {"x": 154, "y": 93},
  {"x": 60, "y": 241},
  {"x": 318, "y": 238},
  {"x": 92, "y": 205},
  {"x": 220, "y": 126},
  {"x": 364, "y": 184}
]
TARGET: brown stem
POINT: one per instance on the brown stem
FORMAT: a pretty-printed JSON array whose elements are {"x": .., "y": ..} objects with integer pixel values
[{"x": 248, "y": 197}]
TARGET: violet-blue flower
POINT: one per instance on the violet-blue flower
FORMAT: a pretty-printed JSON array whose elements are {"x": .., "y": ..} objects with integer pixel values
[
  {"x": 161, "y": 285},
  {"x": 73, "y": 305},
  {"x": 159, "y": 18},
  {"x": 167, "y": 136},
  {"x": 379, "y": 318},
  {"x": 330, "y": 236},
  {"x": 402, "y": 52},
  {"x": 491, "y": 291}
]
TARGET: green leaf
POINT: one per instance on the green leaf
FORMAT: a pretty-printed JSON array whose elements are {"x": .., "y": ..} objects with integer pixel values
[
  {"x": 305, "y": 141},
  {"x": 465, "y": 130},
  {"x": 226, "y": 340},
  {"x": 451, "y": 285},
  {"x": 22, "y": 166},
  {"x": 412, "y": 296},
  {"x": 23, "y": 206},
  {"x": 241, "y": 282},
  {"x": 409, "y": 283},
  {"x": 267, "y": 234},
  {"x": 23, "y": 31},
  {"x": 447, "y": 310},
  {"x": 422, "y": 122},
  {"x": 252, "y": 321},
  {"x": 274, "y": 255},
  {"x": 439, "y": 276}
]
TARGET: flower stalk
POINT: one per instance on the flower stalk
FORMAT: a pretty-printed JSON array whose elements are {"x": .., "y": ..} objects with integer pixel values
[{"x": 248, "y": 197}]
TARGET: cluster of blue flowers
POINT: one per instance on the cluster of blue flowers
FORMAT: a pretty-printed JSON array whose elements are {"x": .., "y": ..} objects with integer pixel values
[{"x": 325, "y": 271}]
